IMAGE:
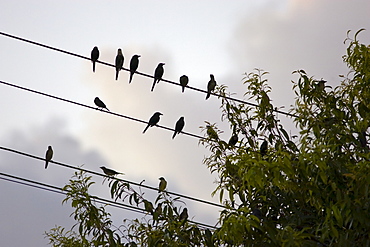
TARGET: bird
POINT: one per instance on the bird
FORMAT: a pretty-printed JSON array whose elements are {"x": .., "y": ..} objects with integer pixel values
[
  {"x": 184, "y": 81},
  {"x": 211, "y": 86},
  {"x": 119, "y": 62},
  {"x": 256, "y": 212},
  {"x": 94, "y": 56},
  {"x": 134, "y": 64},
  {"x": 153, "y": 120},
  {"x": 211, "y": 132},
  {"x": 100, "y": 103},
  {"x": 162, "y": 184},
  {"x": 148, "y": 206},
  {"x": 184, "y": 215},
  {"x": 48, "y": 156},
  {"x": 179, "y": 126},
  {"x": 233, "y": 140},
  {"x": 158, "y": 73},
  {"x": 110, "y": 172},
  {"x": 263, "y": 148}
]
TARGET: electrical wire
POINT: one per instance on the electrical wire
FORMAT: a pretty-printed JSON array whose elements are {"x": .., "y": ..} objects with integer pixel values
[
  {"x": 95, "y": 108},
  {"x": 54, "y": 189},
  {"x": 139, "y": 73},
  {"x": 102, "y": 175}
]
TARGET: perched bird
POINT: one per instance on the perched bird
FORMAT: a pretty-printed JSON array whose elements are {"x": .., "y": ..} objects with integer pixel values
[
  {"x": 233, "y": 140},
  {"x": 211, "y": 86},
  {"x": 100, "y": 103},
  {"x": 109, "y": 172},
  {"x": 148, "y": 206},
  {"x": 158, "y": 73},
  {"x": 162, "y": 184},
  {"x": 184, "y": 81},
  {"x": 119, "y": 62},
  {"x": 153, "y": 120},
  {"x": 48, "y": 156},
  {"x": 263, "y": 148},
  {"x": 184, "y": 215},
  {"x": 134, "y": 64},
  {"x": 256, "y": 212},
  {"x": 179, "y": 126},
  {"x": 211, "y": 132},
  {"x": 94, "y": 56}
]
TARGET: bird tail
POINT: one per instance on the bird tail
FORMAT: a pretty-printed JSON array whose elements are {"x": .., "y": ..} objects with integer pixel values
[
  {"x": 117, "y": 74},
  {"x": 46, "y": 164},
  {"x": 183, "y": 88},
  {"x": 153, "y": 85},
  {"x": 208, "y": 94},
  {"x": 131, "y": 74},
  {"x": 93, "y": 66},
  {"x": 174, "y": 134},
  {"x": 146, "y": 128}
]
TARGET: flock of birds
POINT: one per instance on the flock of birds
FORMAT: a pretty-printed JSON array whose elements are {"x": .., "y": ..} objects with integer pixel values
[{"x": 158, "y": 73}]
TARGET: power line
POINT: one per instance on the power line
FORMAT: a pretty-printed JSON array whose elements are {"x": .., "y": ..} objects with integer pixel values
[
  {"x": 58, "y": 190},
  {"x": 139, "y": 73},
  {"x": 101, "y": 175},
  {"x": 94, "y": 108},
  {"x": 54, "y": 189}
]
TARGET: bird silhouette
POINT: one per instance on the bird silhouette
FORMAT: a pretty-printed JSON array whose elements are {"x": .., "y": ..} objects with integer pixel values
[
  {"x": 48, "y": 156},
  {"x": 179, "y": 126},
  {"x": 119, "y": 62},
  {"x": 184, "y": 81},
  {"x": 184, "y": 215},
  {"x": 100, "y": 103},
  {"x": 233, "y": 140},
  {"x": 153, "y": 120},
  {"x": 211, "y": 132},
  {"x": 134, "y": 64},
  {"x": 94, "y": 56},
  {"x": 263, "y": 148},
  {"x": 211, "y": 86},
  {"x": 110, "y": 172},
  {"x": 162, "y": 184},
  {"x": 158, "y": 73}
]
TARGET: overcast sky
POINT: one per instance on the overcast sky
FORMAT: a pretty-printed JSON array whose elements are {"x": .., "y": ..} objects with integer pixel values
[{"x": 196, "y": 38}]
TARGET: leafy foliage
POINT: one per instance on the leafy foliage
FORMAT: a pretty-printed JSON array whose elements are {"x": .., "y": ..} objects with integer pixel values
[{"x": 279, "y": 190}]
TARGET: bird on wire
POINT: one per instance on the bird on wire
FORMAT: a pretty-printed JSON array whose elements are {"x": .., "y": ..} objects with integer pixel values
[
  {"x": 134, "y": 64},
  {"x": 179, "y": 126},
  {"x": 162, "y": 184},
  {"x": 48, "y": 156},
  {"x": 158, "y": 73},
  {"x": 184, "y": 80},
  {"x": 211, "y": 86},
  {"x": 100, "y": 104},
  {"x": 94, "y": 56},
  {"x": 110, "y": 172},
  {"x": 119, "y": 61},
  {"x": 153, "y": 120}
]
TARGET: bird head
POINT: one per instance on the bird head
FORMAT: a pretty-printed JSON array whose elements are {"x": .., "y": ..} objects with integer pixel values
[
  {"x": 137, "y": 55},
  {"x": 102, "y": 167},
  {"x": 158, "y": 113},
  {"x": 161, "y": 64},
  {"x": 119, "y": 52},
  {"x": 161, "y": 178},
  {"x": 212, "y": 76}
]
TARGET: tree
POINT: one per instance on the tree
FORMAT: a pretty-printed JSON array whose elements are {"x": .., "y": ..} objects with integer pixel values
[{"x": 279, "y": 190}]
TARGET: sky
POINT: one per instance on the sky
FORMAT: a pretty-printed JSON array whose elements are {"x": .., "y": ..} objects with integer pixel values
[{"x": 195, "y": 38}]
